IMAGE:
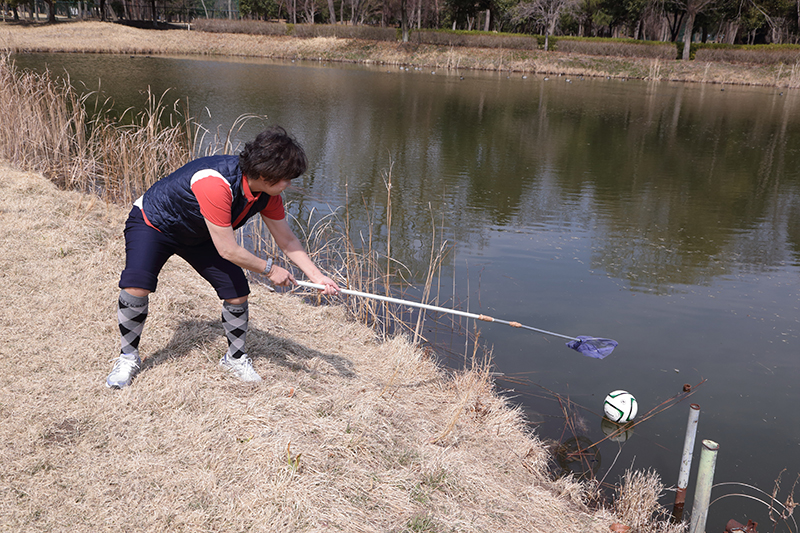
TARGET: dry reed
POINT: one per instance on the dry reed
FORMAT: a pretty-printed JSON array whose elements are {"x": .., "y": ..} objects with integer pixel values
[
  {"x": 637, "y": 503},
  {"x": 358, "y": 265},
  {"x": 47, "y": 126}
]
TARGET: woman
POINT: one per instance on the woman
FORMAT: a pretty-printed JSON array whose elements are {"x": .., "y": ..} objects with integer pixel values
[{"x": 193, "y": 213}]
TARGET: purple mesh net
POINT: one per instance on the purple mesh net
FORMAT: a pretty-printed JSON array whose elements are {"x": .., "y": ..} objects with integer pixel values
[{"x": 592, "y": 346}]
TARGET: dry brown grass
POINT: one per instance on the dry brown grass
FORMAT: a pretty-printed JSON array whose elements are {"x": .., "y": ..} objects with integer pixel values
[
  {"x": 100, "y": 37},
  {"x": 637, "y": 503},
  {"x": 345, "y": 433}
]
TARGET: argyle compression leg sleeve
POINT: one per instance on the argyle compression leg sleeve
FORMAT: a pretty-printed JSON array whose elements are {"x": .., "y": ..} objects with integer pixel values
[
  {"x": 131, "y": 314},
  {"x": 234, "y": 321}
]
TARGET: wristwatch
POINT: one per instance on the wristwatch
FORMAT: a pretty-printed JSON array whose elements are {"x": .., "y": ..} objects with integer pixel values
[{"x": 268, "y": 267}]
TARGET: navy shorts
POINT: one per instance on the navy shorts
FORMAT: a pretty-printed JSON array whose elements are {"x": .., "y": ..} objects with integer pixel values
[{"x": 147, "y": 250}]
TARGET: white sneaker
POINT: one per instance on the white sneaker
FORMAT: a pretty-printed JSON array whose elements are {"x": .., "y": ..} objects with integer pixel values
[
  {"x": 122, "y": 373},
  {"x": 242, "y": 368}
]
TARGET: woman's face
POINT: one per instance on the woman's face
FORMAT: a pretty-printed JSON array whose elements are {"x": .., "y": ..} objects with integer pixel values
[{"x": 272, "y": 189}]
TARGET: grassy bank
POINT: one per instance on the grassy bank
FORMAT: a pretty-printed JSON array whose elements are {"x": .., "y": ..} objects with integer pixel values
[
  {"x": 102, "y": 37},
  {"x": 345, "y": 433}
]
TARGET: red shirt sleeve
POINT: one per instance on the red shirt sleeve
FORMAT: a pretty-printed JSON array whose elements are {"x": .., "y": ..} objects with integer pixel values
[
  {"x": 274, "y": 209},
  {"x": 213, "y": 193}
]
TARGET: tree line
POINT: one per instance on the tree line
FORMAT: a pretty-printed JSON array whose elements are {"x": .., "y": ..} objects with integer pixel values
[
  {"x": 722, "y": 21},
  {"x": 719, "y": 21}
]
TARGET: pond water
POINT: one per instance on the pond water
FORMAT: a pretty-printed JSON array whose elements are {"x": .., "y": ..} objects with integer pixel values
[{"x": 665, "y": 216}]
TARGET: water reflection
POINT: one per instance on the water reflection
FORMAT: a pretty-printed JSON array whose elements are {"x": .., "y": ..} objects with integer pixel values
[{"x": 675, "y": 183}]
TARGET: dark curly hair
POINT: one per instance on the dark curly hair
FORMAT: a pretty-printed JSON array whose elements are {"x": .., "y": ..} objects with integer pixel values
[{"x": 273, "y": 156}]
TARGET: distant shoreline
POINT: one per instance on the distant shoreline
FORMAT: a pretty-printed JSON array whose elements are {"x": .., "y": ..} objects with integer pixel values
[{"x": 105, "y": 37}]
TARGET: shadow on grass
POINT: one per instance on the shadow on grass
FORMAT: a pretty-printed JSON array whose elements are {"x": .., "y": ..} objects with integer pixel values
[{"x": 192, "y": 334}]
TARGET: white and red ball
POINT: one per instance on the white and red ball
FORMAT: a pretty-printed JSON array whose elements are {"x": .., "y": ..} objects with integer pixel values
[{"x": 620, "y": 406}]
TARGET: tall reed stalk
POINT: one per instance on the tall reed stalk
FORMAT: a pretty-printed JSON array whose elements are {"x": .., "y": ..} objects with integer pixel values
[
  {"x": 356, "y": 261},
  {"x": 435, "y": 263},
  {"x": 74, "y": 139}
]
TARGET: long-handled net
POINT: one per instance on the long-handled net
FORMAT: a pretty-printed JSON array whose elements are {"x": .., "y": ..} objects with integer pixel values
[{"x": 594, "y": 347}]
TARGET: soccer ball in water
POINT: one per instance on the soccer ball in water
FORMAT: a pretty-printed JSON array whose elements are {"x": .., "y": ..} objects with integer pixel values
[{"x": 620, "y": 406}]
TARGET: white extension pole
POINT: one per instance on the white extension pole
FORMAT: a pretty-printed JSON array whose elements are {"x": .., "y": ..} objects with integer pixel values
[{"x": 485, "y": 318}]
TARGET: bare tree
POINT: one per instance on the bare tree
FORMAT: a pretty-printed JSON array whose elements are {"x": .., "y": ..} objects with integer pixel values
[
  {"x": 692, "y": 9},
  {"x": 404, "y": 19},
  {"x": 775, "y": 23},
  {"x": 309, "y": 10},
  {"x": 545, "y": 12},
  {"x": 332, "y": 10}
]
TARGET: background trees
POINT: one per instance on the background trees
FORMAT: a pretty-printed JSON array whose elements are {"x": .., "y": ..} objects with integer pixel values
[{"x": 687, "y": 21}]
